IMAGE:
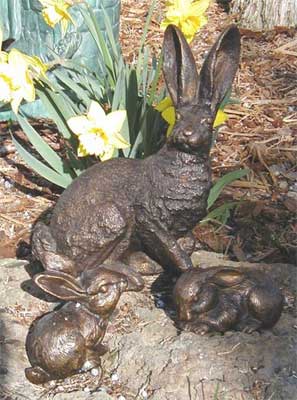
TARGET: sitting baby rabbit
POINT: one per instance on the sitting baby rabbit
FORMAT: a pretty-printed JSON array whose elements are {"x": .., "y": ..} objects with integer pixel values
[
  {"x": 153, "y": 202},
  {"x": 68, "y": 341},
  {"x": 219, "y": 299}
]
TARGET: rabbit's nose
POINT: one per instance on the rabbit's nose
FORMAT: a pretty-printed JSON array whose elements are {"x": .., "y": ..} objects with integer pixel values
[{"x": 195, "y": 140}]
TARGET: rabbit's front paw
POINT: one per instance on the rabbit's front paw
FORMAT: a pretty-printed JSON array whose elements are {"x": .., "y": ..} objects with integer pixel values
[
  {"x": 187, "y": 243},
  {"x": 197, "y": 327}
]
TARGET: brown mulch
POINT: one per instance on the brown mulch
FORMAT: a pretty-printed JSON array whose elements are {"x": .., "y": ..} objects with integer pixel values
[{"x": 260, "y": 135}]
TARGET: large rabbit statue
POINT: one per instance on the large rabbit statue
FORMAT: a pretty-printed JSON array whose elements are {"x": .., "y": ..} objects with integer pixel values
[
  {"x": 114, "y": 204},
  {"x": 117, "y": 205},
  {"x": 68, "y": 341}
]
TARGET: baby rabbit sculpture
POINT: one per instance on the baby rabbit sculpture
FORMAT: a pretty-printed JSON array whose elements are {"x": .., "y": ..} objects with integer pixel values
[
  {"x": 118, "y": 204},
  {"x": 220, "y": 299},
  {"x": 68, "y": 341}
]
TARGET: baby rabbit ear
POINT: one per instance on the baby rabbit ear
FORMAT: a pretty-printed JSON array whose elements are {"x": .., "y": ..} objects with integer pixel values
[
  {"x": 219, "y": 68},
  {"x": 227, "y": 277},
  {"x": 60, "y": 285},
  {"x": 179, "y": 68}
]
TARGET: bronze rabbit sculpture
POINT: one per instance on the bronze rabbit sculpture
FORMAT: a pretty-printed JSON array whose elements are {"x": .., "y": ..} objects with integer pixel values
[
  {"x": 124, "y": 204},
  {"x": 220, "y": 299},
  {"x": 68, "y": 341}
]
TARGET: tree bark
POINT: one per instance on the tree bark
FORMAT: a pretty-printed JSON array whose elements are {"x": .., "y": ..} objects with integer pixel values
[{"x": 265, "y": 14}]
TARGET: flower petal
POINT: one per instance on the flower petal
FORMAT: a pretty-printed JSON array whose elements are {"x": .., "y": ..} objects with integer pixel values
[
  {"x": 17, "y": 98},
  {"x": 221, "y": 117},
  {"x": 108, "y": 153},
  {"x": 80, "y": 124},
  {"x": 114, "y": 122},
  {"x": 28, "y": 88},
  {"x": 17, "y": 61},
  {"x": 96, "y": 114},
  {"x": 50, "y": 16},
  {"x": 165, "y": 103},
  {"x": 187, "y": 15},
  {"x": 169, "y": 115},
  {"x": 93, "y": 144},
  {"x": 81, "y": 151},
  {"x": 117, "y": 141}
]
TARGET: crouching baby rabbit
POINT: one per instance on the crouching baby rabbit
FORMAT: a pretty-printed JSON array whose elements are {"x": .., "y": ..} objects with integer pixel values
[
  {"x": 220, "y": 299},
  {"x": 68, "y": 341},
  {"x": 119, "y": 203}
]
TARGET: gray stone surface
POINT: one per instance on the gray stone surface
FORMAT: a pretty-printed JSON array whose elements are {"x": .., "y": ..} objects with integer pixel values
[{"x": 149, "y": 358}]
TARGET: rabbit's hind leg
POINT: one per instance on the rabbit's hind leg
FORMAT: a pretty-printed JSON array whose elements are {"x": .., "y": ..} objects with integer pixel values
[
  {"x": 265, "y": 303},
  {"x": 42, "y": 240}
]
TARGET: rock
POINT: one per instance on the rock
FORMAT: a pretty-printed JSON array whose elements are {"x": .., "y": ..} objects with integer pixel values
[
  {"x": 81, "y": 395},
  {"x": 282, "y": 273},
  {"x": 144, "y": 264},
  {"x": 149, "y": 358},
  {"x": 290, "y": 201}
]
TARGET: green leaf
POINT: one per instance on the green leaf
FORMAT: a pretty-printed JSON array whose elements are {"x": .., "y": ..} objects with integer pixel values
[
  {"x": 39, "y": 167},
  {"x": 73, "y": 86},
  {"x": 222, "y": 182},
  {"x": 46, "y": 152},
  {"x": 119, "y": 95},
  {"x": 94, "y": 28},
  {"x": 220, "y": 214},
  {"x": 154, "y": 84},
  {"x": 132, "y": 104},
  {"x": 115, "y": 49},
  {"x": 146, "y": 25},
  {"x": 57, "y": 110},
  {"x": 145, "y": 72}
]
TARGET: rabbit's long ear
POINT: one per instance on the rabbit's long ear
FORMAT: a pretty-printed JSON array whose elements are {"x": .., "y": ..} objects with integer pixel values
[
  {"x": 227, "y": 277},
  {"x": 179, "y": 68},
  {"x": 60, "y": 285},
  {"x": 219, "y": 68}
]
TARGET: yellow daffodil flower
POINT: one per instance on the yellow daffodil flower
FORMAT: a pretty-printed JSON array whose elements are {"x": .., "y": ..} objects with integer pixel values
[
  {"x": 37, "y": 67},
  {"x": 187, "y": 15},
  {"x": 7, "y": 85},
  {"x": 16, "y": 82},
  {"x": 17, "y": 71},
  {"x": 98, "y": 133},
  {"x": 23, "y": 86},
  {"x": 167, "y": 110},
  {"x": 56, "y": 11}
]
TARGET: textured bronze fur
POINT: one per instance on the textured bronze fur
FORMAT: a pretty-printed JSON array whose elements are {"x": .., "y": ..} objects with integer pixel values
[
  {"x": 220, "y": 299},
  {"x": 117, "y": 204},
  {"x": 68, "y": 341}
]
